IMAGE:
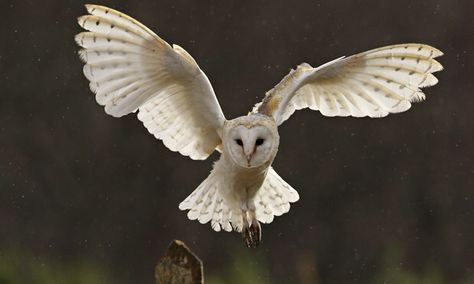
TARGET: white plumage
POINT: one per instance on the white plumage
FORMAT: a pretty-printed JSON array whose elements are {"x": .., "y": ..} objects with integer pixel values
[
  {"x": 131, "y": 69},
  {"x": 373, "y": 83}
]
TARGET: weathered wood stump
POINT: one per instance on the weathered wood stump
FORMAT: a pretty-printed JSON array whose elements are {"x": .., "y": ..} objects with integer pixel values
[{"x": 179, "y": 265}]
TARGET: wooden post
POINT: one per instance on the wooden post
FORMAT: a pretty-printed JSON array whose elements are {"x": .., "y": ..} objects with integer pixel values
[{"x": 179, "y": 265}]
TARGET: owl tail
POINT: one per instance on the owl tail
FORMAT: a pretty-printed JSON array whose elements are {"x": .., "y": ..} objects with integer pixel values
[
  {"x": 274, "y": 197},
  {"x": 206, "y": 204}
]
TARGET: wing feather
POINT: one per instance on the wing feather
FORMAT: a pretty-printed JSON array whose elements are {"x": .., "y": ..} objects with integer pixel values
[
  {"x": 130, "y": 68},
  {"x": 373, "y": 83}
]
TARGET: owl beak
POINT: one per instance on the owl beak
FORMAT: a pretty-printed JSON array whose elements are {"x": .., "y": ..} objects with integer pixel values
[{"x": 249, "y": 157}]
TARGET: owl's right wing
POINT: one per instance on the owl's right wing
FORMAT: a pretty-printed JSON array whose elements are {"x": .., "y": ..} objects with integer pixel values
[
  {"x": 130, "y": 68},
  {"x": 372, "y": 83}
]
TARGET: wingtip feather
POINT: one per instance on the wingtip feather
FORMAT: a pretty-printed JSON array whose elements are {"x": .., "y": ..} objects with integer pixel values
[
  {"x": 437, "y": 52},
  {"x": 182, "y": 206},
  {"x": 81, "y": 20},
  {"x": 91, "y": 7}
]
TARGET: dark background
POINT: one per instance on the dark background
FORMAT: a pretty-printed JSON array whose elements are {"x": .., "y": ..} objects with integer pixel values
[{"x": 88, "y": 198}]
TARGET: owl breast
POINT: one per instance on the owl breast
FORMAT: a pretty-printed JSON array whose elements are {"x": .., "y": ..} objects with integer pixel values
[{"x": 239, "y": 184}]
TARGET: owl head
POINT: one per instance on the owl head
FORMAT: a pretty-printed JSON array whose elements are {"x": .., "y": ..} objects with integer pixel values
[{"x": 251, "y": 141}]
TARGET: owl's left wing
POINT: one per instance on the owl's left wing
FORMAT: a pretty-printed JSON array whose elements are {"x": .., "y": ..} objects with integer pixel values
[
  {"x": 130, "y": 68},
  {"x": 373, "y": 83}
]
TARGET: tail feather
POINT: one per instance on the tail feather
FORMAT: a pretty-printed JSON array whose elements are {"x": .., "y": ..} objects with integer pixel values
[
  {"x": 226, "y": 219},
  {"x": 200, "y": 203},
  {"x": 206, "y": 212},
  {"x": 206, "y": 204},
  {"x": 274, "y": 197},
  {"x": 215, "y": 222}
]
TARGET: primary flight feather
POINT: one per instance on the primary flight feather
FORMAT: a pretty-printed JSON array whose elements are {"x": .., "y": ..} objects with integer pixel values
[{"x": 131, "y": 69}]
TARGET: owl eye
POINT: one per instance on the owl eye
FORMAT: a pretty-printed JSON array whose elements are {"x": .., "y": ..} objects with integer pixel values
[
  {"x": 239, "y": 142},
  {"x": 259, "y": 141}
]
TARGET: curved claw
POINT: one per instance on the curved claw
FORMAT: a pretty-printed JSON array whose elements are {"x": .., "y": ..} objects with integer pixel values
[{"x": 252, "y": 234}]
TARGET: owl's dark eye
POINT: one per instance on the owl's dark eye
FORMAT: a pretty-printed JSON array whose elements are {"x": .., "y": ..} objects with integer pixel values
[
  {"x": 239, "y": 142},
  {"x": 259, "y": 141}
]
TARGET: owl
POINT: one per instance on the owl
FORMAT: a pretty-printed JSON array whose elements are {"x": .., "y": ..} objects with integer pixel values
[{"x": 133, "y": 70}]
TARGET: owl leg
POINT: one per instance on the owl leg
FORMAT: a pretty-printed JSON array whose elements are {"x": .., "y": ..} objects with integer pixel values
[{"x": 251, "y": 231}]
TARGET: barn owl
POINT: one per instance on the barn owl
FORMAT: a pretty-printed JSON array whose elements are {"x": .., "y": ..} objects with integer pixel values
[{"x": 131, "y": 69}]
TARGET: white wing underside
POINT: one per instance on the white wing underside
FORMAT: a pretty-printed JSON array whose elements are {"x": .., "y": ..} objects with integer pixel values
[
  {"x": 373, "y": 83},
  {"x": 130, "y": 68}
]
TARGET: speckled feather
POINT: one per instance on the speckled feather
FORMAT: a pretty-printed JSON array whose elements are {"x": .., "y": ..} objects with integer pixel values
[
  {"x": 274, "y": 197},
  {"x": 206, "y": 204},
  {"x": 130, "y": 68},
  {"x": 373, "y": 83}
]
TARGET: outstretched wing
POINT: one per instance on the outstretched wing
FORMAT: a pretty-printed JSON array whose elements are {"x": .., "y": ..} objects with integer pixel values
[
  {"x": 373, "y": 83},
  {"x": 130, "y": 68}
]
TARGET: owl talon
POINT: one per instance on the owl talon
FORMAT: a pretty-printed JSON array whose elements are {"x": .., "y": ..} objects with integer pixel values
[{"x": 252, "y": 234}]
